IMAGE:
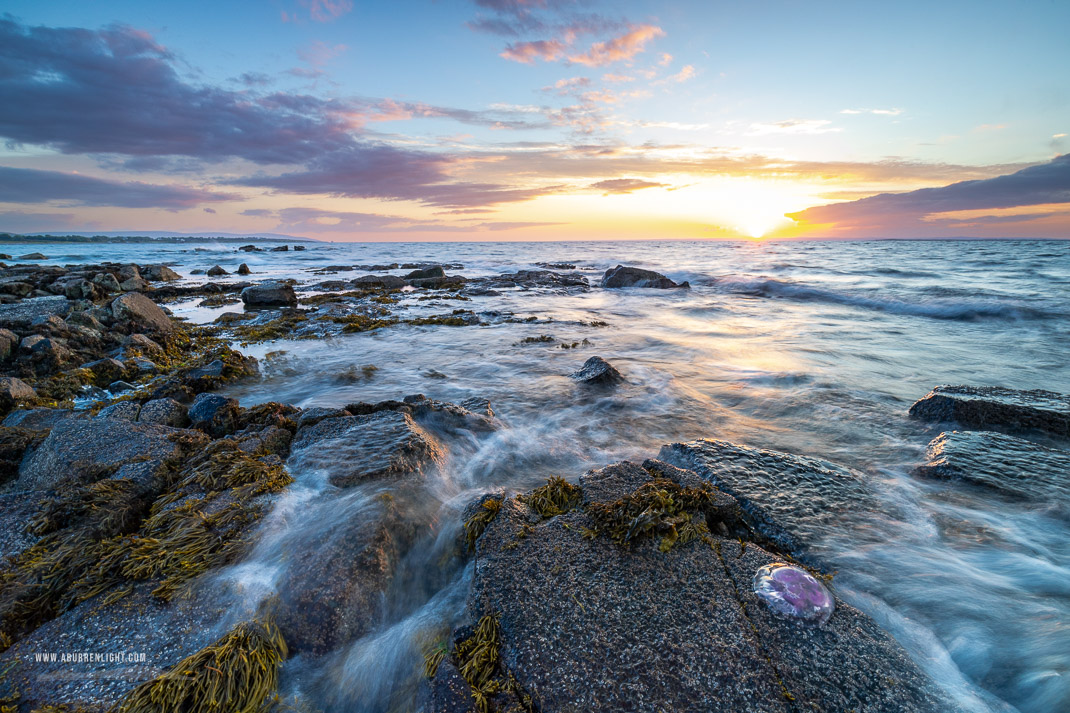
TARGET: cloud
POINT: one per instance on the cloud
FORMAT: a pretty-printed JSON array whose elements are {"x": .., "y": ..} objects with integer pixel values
[
  {"x": 258, "y": 212},
  {"x": 315, "y": 220},
  {"x": 619, "y": 48},
  {"x": 686, "y": 73},
  {"x": 909, "y": 213},
  {"x": 625, "y": 185},
  {"x": 320, "y": 10},
  {"x": 879, "y": 112},
  {"x": 319, "y": 53},
  {"x": 528, "y": 52},
  {"x": 665, "y": 59},
  {"x": 610, "y": 77},
  {"x": 793, "y": 126},
  {"x": 28, "y": 185}
]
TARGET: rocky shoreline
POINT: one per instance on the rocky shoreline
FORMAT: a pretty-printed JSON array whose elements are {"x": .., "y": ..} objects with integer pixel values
[{"x": 127, "y": 481}]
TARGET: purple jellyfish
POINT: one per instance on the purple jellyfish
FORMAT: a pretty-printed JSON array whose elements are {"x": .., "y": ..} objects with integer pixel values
[{"x": 793, "y": 592}]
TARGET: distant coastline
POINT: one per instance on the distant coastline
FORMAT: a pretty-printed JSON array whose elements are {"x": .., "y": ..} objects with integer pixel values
[{"x": 146, "y": 238}]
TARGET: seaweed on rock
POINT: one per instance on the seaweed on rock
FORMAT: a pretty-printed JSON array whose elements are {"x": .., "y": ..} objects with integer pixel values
[
  {"x": 658, "y": 508},
  {"x": 235, "y": 674},
  {"x": 557, "y": 497},
  {"x": 477, "y": 523}
]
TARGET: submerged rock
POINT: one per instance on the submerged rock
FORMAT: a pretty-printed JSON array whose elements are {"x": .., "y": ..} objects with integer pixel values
[
  {"x": 790, "y": 501},
  {"x": 351, "y": 449},
  {"x": 621, "y": 276},
  {"x": 1010, "y": 465},
  {"x": 573, "y": 620},
  {"x": 269, "y": 294},
  {"x": 597, "y": 370},
  {"x": 997, "y": 407}
]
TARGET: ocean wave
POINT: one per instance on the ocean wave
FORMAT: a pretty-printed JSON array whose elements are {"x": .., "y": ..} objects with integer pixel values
[{"x": 958, "y": 310}]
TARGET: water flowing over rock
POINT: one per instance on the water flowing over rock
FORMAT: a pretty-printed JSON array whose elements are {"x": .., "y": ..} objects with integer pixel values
[
  {"x": 597, "y": 370},
  {"x": 142, "y": 311},
  {"x": 577, "y": 621},
  {"x": 621, "y": 276},
  {"x": 351, "y": 449},
  {"x": 789, "y": 500},
  {"x": 269, "y": 294},
  {"x": 997, "y": 407},
  {"x": 1005, "y": 463}
]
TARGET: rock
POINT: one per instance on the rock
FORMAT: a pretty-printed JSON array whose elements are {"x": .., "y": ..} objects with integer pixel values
[
  {"x": 143, "y": 344},
  {"x": 996, "y": 407},
  {"x": 597, "y": 370},
  {"x": 37, "y": 418},
  {"x": 243, "y": 269},
  {"x": 198, "y": 271},
  {"x": 81, "y": 289},
  {"x": 52, "y": 324},
  {"x": 143, "y": 365},
  {"x": 122, "y": 411},
  {"x": 339, "y": 567},
  {"x": 588, "y": 624},
  {"x": 299, "y": 247},
  {"x": 16, "y": 507},
  {"x": 107, "y": 282},
  {"x": 16, "y": 288},
  {"x": 159, "y": 273},
  {"x": 134, "y": 284},
  {"x": 439, "y": 283},
  {"x": 127, "y": 272},
  {"x": 788, "y": 500},
  {"x": 535, "y": 278},
  {"x": 50, "y": 354},
  {"x": 142, "y": 311},
  {"x": 33, "y": 256},
  {"x": 25, "y": 312},
  {"x": 351, "y": 449},
  {"x": 105, "y": 371},
  {"x": 216, "y": 271},
  {"x": 80, "y": 449},
  {"x": 280, "y": 249},
  {"x": 1010, "y": 465},
  {"x": 164, "y": 412},
  {"x": 389, "y": 282},
  {"x": 13, "y": 391},
  {"x": 269, "y": 294},
  {"x": 435, "y": 271},
  {"x": 214, "y": 414},
  {"x": 119, "y": 386},
  {"x": 8, "y": 340},
  {"x": 250, "y": 249},
  {"x": 314, "y": 414},
  {"x": 621, "y": 276},
  {"x": 451, "y": 418},
  {"x": 29, "y": 342}
]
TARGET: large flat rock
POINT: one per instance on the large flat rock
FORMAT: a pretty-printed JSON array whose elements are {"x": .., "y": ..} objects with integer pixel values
[
  {"x": 24, "y": 312},
  {"x": 791, "y": 501},
  {"x": 1001, "y": 462},
  {"x": 352, "y": 449},
  {"x": 988, "y": 407},
  {"x": 79, "y": 449},
  {"x": 587, "y": 624}
]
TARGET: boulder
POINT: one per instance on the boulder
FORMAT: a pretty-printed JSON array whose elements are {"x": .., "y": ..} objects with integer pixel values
[
  {"x": 986, "y": 407},
  {"x": 586, "y": 623},
  {"x": 134, "y": 284},
  {"x": 8, "y": 341},
  {"x": 105, "y": 370},
  {"x": 351, "y": 449},
  {"x": 597, "y": 370},
  {"x": 314, "y": 414},
  {"x": 144, "y": 344},
  {"x": 250, "y": 249},
  {"x": 23, "y": 313},
  {"x": 13, "y": 391},
  {"x": 621, "y": 276},
  {"x": 80, "y": 289},
  {"x": 389, "y": 282},
  {"x": 121, "y": 410},
  {"x": 280, "y": 249},
  {"x": 107, "y": 282},
  {"x": 15, "y": 287},
  {"x": 269, "y": 294},
  {"x": 216, "y": 271},
  {"x": 159, "y": 273},
  {"x": 243, "y": 269},
  {"x": 1003, "y": 463},
  {"x": 435, "y": 271},
  {"x": 142, "y": 311},
  {"x": 33, "y": 256},
  {"x": 87, "y": 449},
  {"x": 127, "y": 272},
  {"x": 788, "y": 500},
  {"x": 214, "y": 414},
  {"x": 164, "y": 412},
  {"x": 50, "y": 354},
  {"x": 299, "y": 247},
  {"x": 37, "y": 418}
]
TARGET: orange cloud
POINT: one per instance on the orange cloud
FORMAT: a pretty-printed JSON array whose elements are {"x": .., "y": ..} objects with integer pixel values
[
  {"x": 619, "y": 48},
  {"x": 528, "y": 52}
]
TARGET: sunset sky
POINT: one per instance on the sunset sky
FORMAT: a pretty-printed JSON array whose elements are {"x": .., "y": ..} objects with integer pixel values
[{"x": 537, "y": 119}]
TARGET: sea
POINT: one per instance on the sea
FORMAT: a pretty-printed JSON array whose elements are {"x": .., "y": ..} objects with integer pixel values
[{"x": 815, "y": 348}]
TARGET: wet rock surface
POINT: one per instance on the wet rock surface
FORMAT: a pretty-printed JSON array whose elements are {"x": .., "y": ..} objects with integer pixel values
[
  {"x": 788, "y": 500},
  {"x": 997, "y": 407},
  {"x": 582, "y": 622},
  {"x": 621, "y": 276},
  {"x": 269, "y": 294},
  {"x": 351, "y": 449},
  {"x": 598, "y": 371},
  {"x": 1003, "y": 463},
  {"x": 142, "y": 311}
]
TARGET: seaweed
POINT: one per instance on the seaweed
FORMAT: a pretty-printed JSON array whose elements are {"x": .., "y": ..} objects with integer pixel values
[
  {"x": 477, "y": 659},
  {"x": 658, "y": 508},
  {"x": 558, "y": 496},
  {"x": 353, "y": 323},
  {"x": 475, "y": 525},
  {"x": 235, "y": 674},
  {"x": 280, "y": 328}
]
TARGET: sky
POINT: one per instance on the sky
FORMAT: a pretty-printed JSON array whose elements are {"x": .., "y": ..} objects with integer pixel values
[{"x": 536, "y": 119}]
